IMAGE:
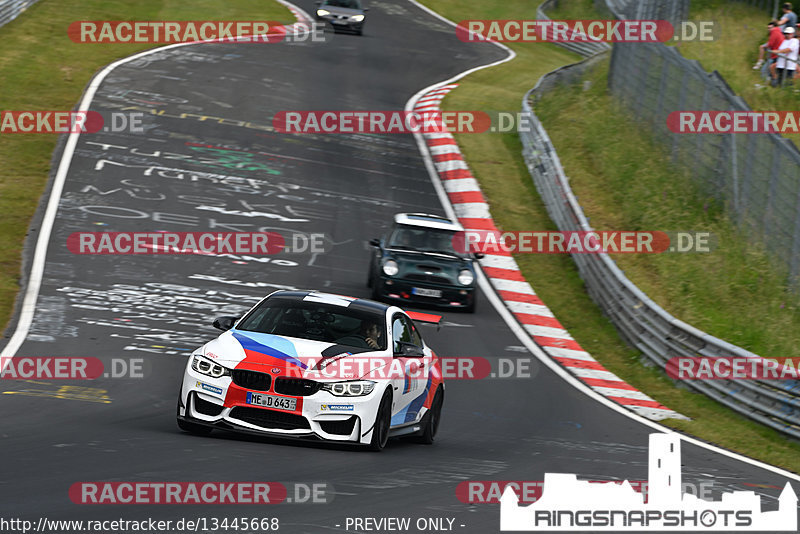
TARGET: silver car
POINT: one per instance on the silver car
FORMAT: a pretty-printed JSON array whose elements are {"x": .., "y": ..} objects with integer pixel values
[{"x": 342, "y": 15}]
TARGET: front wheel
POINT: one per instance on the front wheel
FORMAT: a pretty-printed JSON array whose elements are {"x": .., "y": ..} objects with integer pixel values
[
  {"x": 380, "y": 432},
  {"x": 471, "y": 307},
  {"x": 194, "y": 428}
]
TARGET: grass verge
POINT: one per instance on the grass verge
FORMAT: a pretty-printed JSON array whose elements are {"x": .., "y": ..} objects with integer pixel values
[
  {"x": 742, "y": 28},
  {"x": 496, "y": 162},
  {"x": 41, "y": 69}
]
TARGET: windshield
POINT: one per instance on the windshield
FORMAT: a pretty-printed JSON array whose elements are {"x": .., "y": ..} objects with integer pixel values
[
  {"x": 318, "y": 322},
  {"x": 352, "y": 4},
  {"x": 423, "y": 240}
]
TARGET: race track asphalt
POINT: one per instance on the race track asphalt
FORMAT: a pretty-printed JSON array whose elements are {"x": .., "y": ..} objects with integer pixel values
[{"x": 209, "y": 160}]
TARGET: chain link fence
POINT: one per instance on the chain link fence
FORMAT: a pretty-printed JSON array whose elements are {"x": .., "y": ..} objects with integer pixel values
[
  {"x": 675, "y": 11},
  {"x": 773, "y": 7},
  {"x": 640, "y": 321},
  {"x": 11, "y": 9},
  {"x": 757, "y": 176},
  {"x": 583, "y": 49}
]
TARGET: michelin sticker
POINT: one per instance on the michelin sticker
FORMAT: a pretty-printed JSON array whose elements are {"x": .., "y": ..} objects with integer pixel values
[
  {"x": 336, "y": 407},
  {"x": 209, "y": 388}
]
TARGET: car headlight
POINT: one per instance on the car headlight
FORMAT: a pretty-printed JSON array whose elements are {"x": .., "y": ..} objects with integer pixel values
[
  {"x": 204, "y": 366},
  {"x": 357, "y": 18},
  {"x": 353, "y": 388},
  {"x": 323, "y": 12},
  {"x": 390, "y": 268},
  {"x": 465, "y": 277}
]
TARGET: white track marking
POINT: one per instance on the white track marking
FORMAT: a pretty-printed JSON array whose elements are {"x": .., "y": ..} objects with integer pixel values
[
  {"x": 512, "y": 323},
  {"x": 499, "y": 262},
  {"x": 34, "y": 284},
  {"x": 461, "y": 185},
  {"x": 547, "y": 331}
]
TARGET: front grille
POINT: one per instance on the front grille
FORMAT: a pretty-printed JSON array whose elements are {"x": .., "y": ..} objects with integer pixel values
[
  {"x": 428, "y": 278},
  {"x": 297, "y": 387},
  {"x": 269, "y": 418},
  {"x": 251, "y": 379},
  {"x": 206, "y": 408},
  {"x": 430, "y": 268},
  {"x": 344, "y": 427}
]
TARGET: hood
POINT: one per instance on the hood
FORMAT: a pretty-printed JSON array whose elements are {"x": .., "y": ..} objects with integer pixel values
[
  {"x": 289, "y": 356},
  {"x": 429, "y": 266}
]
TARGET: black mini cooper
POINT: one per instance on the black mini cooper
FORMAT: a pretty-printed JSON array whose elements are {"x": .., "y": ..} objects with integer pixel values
[{"x": 417, "y": 262}]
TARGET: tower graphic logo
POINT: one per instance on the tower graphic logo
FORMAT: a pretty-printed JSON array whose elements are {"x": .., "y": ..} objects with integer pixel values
[{"x": 568, "y": 504}]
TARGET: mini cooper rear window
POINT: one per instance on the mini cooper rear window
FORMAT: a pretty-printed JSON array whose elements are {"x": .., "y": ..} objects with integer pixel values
[{"x": 350, "y": 4}]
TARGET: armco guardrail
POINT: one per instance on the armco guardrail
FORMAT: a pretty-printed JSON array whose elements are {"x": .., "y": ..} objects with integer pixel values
[
  {"x": 583, "y": 49},
  {"x": 640, "y": 321},
  {"x": 10, "y": 9}
]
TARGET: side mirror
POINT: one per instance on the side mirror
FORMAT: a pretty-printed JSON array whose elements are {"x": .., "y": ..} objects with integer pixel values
[
  {"x": 478, "y": 255},
  {"x": 375, "y": 242},
  {"x": 225, "y": 322},
  {"x": 409, "y": 350}
]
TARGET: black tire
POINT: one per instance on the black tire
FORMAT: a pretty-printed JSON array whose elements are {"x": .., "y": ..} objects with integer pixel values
[
  {"x": 369, "y": 276},
  {"x": 194, "y": 428},
  {"x": 187, "y": 426},
  {"x": 432, "y": 418},
  {"x": 472, "y": 305},
  {"x": 380, "y": 432}
]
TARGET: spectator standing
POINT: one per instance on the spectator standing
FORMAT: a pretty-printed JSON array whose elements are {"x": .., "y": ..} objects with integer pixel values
[
  {"x": 789, "y": 18},
  {"x": 787, "y": 60},
  {"x": 774, "y": 42}
]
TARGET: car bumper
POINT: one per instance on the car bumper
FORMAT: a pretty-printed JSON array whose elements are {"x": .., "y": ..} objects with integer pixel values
[
  {"x": 219, "y": 403},
  {"x": 404, "y": 291},
  {"x": 341, "y": 24}
]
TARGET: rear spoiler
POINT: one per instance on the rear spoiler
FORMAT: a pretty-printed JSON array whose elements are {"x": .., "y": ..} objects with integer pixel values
[{"x": 425, "y": 318}]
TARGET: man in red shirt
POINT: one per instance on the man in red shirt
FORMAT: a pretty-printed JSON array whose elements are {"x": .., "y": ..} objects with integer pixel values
[{"x": 773, "y": 43}]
